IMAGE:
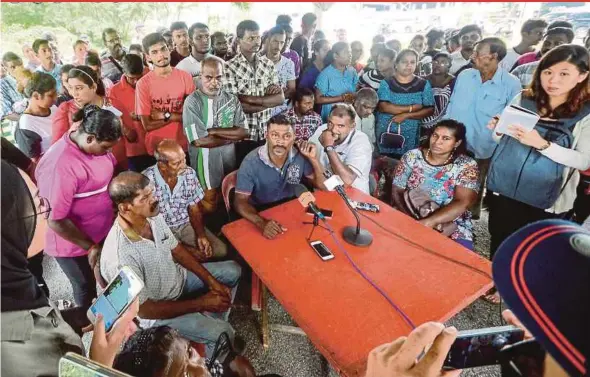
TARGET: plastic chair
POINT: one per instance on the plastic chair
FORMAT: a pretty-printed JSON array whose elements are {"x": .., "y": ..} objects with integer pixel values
[{"x": 229, "y": 183}]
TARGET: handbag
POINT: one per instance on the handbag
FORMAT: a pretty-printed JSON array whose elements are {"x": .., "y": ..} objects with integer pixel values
[
  {"x": 419, "y": 205},
  {"x": 234, "y": 364},
  {"x": 392, "y": 140}
]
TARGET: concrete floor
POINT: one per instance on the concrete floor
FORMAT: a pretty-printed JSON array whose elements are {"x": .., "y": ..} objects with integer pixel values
[{"x": 294, "y": 355}]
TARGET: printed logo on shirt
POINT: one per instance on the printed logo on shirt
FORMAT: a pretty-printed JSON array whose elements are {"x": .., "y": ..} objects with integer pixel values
[
  {"x": 173, "y": 105},
  {"x": 293, "y": 174}
]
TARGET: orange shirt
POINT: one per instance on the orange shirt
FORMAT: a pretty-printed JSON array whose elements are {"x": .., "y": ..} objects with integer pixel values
[
  {"x": 122, "y": 97},
  {"x": 163, "y": 94}
]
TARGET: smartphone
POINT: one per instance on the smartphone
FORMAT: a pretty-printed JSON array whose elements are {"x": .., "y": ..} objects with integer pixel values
[
  {"x": 322, "y": 250},
  {"x": 116, "y": 298},
  {"x": 475, "y": 348},
  {"x": 326, "y": 212},
  {"x": 74, "y": 365}
]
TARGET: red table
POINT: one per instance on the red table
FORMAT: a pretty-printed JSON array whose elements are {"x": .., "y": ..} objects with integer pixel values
[{"x": 341, "y": 313}]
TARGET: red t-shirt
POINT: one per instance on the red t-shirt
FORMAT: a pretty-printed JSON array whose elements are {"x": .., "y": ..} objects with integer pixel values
[
  {"x": 163, "y": 94},
  {"x": 123, "y": 98}
]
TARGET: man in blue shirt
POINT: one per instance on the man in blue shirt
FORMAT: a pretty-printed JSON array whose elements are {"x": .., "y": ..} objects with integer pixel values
[
  {"x": 48, "y": 65},
  {"x": 269, "y": 174},
  {"x": 479, "y": 94}
]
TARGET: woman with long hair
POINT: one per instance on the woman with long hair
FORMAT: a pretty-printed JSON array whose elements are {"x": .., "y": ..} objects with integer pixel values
[
  {"x": 534, "y": 173},
  {"x": 86, "y": 88},
  {"x": 444, "y": 171},
  {"x": 337, "y": 81},
  {"x": 74, "y": 175},
  {"x": 312, "y": 70}
]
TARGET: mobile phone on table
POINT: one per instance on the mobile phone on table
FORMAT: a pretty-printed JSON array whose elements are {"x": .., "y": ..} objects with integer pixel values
[
  {"x": 116, "y": 298},
  {"x": 326, "y": 212},
  {"x": 74, "y": 365},
  {"x": 475, "y": 348},
  {"x": 321, "y": 250}
]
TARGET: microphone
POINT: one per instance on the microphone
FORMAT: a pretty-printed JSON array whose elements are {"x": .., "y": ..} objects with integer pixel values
[
  {"x": 307, "y": 200},
  {"x": 351, "y": 234}
]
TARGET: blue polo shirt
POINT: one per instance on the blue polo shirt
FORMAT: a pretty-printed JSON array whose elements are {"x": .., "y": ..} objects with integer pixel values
[
  {"x": 266, "y": 183},
  {"x": 474, "y": 103},
  {"x": 55, "y": 73}
]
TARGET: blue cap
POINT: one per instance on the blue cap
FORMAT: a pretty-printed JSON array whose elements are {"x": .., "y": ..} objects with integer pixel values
[{"x": 543, "y": 274}]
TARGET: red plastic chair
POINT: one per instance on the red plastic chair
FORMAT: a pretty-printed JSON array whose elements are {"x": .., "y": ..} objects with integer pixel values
[{"x": 229, "y": 183}]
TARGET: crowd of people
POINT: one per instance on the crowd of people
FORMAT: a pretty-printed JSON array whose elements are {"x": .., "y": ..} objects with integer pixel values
[{"x": 129, "y": 149}]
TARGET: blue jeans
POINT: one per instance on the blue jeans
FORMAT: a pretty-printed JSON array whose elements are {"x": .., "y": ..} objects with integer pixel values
[{"x": 205, "y": 327}]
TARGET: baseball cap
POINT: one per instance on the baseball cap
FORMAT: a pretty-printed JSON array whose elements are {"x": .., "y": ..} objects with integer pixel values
[{"x": 542, "y": 272}]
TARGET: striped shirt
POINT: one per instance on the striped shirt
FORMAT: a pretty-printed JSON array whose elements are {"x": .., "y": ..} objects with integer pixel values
[{"x": 10, "y": 95}]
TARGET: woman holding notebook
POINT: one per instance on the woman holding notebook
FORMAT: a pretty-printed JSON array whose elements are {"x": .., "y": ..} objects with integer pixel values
[{"x": 534, "y": 173}]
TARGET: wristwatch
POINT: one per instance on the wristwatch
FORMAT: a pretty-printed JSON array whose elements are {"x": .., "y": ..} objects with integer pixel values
[
  {"x": 329, "y": 148},
  {"x": 545, "y": 146},
  {"x": 167, "y": 115}
]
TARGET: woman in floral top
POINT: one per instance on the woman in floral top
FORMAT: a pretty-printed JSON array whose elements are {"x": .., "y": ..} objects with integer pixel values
[{"x": 444, "y": 171}]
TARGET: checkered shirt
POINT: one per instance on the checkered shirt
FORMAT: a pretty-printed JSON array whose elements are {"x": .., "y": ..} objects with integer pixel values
[
  {"x": 524, "y": 73},
  {"x": 243, "y": 78},
  {"x": 304, "y": 126},
  {"x": 174, "y": 204}
]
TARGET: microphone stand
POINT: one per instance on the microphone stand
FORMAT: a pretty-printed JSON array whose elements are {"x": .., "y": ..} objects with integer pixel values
[
  {"x": 351, "y": 234},
  {"x": 316, "y": 222}
]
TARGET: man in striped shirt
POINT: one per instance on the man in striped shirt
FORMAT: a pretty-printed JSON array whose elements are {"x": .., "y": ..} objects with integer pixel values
[{"x": 213, "y": 122}]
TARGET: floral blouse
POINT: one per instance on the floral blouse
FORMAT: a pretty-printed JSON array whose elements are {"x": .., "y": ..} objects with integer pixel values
[{"x": 440, "y": 181}]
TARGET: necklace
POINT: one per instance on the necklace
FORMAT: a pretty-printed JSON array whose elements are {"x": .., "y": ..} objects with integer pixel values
[{"x": 429, "y": 158}]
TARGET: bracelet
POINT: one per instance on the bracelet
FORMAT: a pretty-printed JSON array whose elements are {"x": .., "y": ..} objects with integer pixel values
[{"x": 547, "y": 145}]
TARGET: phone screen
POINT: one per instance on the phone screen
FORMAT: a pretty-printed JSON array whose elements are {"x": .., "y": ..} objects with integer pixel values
[
  {"x": 84, "y": 368},
  {"x": 114, "y": 299},
  {"x": 481, "y": 348},
  {"x": 321, "y": 249}
]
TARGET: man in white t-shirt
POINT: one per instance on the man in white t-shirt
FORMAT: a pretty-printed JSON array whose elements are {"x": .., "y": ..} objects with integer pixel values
[
  {"x": 200, "y": 45},
  {"x": 343, "y": 150},
  {"x": 468, "y": 36},
  {"x": 531, "y": 33}
]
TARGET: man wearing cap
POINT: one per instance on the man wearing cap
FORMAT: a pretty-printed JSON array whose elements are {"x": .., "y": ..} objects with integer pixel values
[{"x": 543, "y": 274}]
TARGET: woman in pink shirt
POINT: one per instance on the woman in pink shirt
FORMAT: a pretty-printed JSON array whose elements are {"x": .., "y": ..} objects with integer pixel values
[{"x": 73, "y": 176}]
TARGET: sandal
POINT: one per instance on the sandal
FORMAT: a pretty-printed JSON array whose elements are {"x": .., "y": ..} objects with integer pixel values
[{"x": 492, "y": 296}]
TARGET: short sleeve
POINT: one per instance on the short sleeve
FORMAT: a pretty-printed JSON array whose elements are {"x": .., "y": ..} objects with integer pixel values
[
  {"x": 230, "y": 83},
  {"x": 192, "y": 124},
  {"x": 355, "y": 78},
  {"x": 403, "y": 170},
  {"x": 360, "y": 157},
  {"x": 61, "y": 189},
  {"x": 239, "y": 116},
  {"x": 194, "y": 188},
  {"x": 307, "y": 168},
  {"x": 143, "y": 100},
  {"x": 189, "y": 84},
  {"x": 383, "y": 91},
  {"x": 427, "y": 95},
  {"x": 322, "y": 82},
  {"x": 291, "y": 75},
  {"x": 245, "y": 179},
  {"x": 129, "y": 259},
  {"x": 171, "y": 240},
  {"x": 61, "y": 122},
  {"x": 469, "y": 175},
  {"x": 29, "y": 142}
]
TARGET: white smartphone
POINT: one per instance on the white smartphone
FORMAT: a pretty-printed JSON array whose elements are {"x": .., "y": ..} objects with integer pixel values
[
  {"x": 116, "y": 298},
  {"x": 321, "y": 250},
  {"x": 74, "y": 365}
]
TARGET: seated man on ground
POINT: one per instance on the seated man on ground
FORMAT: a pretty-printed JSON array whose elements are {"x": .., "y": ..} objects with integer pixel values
[
  {"x": 343, "y": 150},
  {"x": 213, "y": 122},
  {"x": 180, "y": 196},
  {"x": 269, "y": 174},
  {"x": 180, "y": 290}
]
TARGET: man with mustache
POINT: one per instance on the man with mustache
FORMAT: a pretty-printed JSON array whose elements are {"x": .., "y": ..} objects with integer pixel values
[
  {"x": 201, "y": 43},
  {"x": 213, "y": 122},
  {"x": 304, "y": 119},
  {"x": 344, "y": 150},
  {"x": 111, "y": 58},
  {"x": 180, "y": 195},
  {"x": 180, "y": 39},
  {"x": 468, "y": 36},
  {"x": 160, "y": 95},
  {"x": 181, "y": 290},
  {"x": 269, "y": 174}
]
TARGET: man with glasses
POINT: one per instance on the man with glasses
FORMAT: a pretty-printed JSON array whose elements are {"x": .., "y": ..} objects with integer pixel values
[
  {"x": 213, "y": 122},
  {"x": 201, "y": 43},
  {"x": 531, "y": 34},
  {"x": 111, "y": 58},
  {"x": 253, "y": 78},
  {"x": 468, "y": 37},
  {"x": 478, "y": 95},
  {"x": 160, "y": 95}
]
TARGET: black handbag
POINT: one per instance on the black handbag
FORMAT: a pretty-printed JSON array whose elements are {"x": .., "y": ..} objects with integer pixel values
[{"x": 392, "y": 140}]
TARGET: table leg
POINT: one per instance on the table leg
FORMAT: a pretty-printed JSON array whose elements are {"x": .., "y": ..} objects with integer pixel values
[
  {"x": 265, "y": 327},
  {"x": 256, "y": 292}
]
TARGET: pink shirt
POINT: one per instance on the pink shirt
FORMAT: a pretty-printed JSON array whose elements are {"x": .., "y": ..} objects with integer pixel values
[
  {"x": 163, "y": 94},
  {"x": 75, "y": 183}
]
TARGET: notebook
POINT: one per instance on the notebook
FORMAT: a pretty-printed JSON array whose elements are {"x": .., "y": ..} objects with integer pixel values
[{"x": 516, "y": 115}]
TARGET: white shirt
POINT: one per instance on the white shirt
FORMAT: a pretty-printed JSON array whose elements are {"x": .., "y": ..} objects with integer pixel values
[
  {"x": 458, "y": 62},
  {"x": 40, "y": 125},
  {"x": 355, "y": 152},
  {"x": 367, "y": 125},
  {"x": 190, "y": 65},
  {"x": 509, "y": 60}
]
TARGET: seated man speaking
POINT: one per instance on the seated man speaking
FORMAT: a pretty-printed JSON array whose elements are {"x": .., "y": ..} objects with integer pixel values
[
  {"x": 344, "y": 151},
  {"x": 180, "y": 291},
  {"x": 180, "y": 195},
  {"x": 269, "y": 174}
]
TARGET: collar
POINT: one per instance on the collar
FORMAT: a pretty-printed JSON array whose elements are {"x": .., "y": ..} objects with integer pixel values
[
  {"x": 348, "y": 139},
  {"x": 128, "y": 231},
  {"x": 497, "y": 78},
  {"x": 264, "y": 156},
  {"x": 160, "y": 181}
]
